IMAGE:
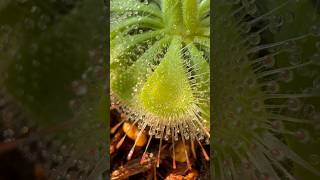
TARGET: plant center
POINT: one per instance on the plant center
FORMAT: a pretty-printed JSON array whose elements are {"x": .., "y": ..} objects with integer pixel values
[{"x": 167, "y": 92}]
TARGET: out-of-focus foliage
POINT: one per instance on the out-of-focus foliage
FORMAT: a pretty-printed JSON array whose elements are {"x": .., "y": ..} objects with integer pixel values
[
  {"x": 266, "y": 89},
  {"x": 52, "y": 82}
]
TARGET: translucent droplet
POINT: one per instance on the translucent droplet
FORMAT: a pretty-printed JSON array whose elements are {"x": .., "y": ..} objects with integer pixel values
[
  {"x": 294, "y": 104},
  {"x": 315, "y": 30}
]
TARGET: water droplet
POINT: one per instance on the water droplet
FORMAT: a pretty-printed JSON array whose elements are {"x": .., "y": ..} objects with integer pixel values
[
  {"x": 294, "y": 104},
  {"x": 315, "y": 30}
]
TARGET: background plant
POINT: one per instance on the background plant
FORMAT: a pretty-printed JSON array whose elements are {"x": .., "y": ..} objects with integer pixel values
[
  {"x": 265, "y": 89},
  {"x": 52, "y": 84}
]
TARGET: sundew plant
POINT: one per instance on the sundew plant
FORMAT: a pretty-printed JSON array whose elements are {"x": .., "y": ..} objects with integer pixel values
[
  {"x": 265, "y": 83},
  {"x": 265, "y": 89},
  {"x": 159, "y": 68},
  {"x": 52, "y": 86},
  {"x": 265, "y": 72}
]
